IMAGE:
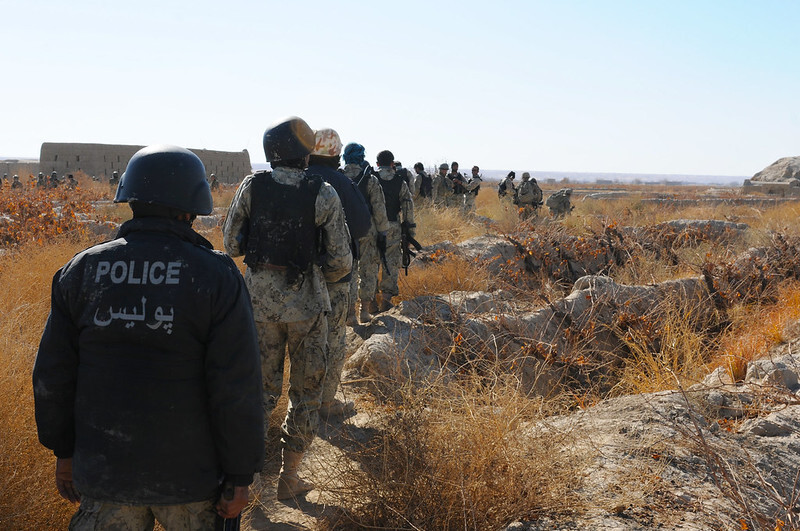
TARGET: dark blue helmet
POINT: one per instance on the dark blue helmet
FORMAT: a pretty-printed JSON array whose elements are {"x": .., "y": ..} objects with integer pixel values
[{"x": 169, "y": 176}]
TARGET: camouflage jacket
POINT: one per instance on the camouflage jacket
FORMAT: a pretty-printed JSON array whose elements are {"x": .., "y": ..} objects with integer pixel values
[
  {"x": 274, "y": 299},
  {"x": 442, "y": 187},
  {"x": 377, "y": 203},
  {"x": 529, "y": 193}
]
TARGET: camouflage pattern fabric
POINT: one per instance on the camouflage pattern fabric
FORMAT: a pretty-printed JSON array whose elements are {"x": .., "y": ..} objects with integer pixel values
[
  {"x": 455, "y": 200},
  {"x": 559, "y": 203},
  {"x": 394, "y": 255},
  {"x": 469, "y": 198},
  {"x": 442, "y": 189},
  {"x": 377, "y": 203},
  {"x": 365, "y": 276},
  {"x": 293, "y": 316},
  {"x": 94, "y": 514},
  {"x": 337, "y": 333},
  {"x": 509, "y": 189},
  {"x": 366, "y": 281},
  {"x": 273, "y": 298},
  {"x": 307, "y": 345}
]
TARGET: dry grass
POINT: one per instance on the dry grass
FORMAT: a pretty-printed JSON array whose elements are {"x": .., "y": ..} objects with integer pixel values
[
  {"x": 756, "y": 328},
  {"x": 29, "y": 499},
  {"x": 456, "y": 456},
  {"x": 452, "y": 455}
]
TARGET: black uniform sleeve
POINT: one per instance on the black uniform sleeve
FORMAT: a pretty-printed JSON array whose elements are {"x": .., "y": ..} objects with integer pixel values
[
  {"x": 55, "y": 376},
  {"x": 233, "y": 376}
]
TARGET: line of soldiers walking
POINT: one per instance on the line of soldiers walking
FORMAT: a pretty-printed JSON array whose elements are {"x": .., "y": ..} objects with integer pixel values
[{"x": 160, "y": 365}]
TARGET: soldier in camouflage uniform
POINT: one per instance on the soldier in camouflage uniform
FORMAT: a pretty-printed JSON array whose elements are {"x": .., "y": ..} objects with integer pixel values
[
  {"x": 442, "y": 186},
  {"x": 529, "y": 197},
  {"x": 456, "y": 198},
  {"x": 471, "y": 189},
  {"x": 325, "y": 163},
  {"x": 423, "y": 184},
  {"x": 559, "y": 203},
  {"x": 276, "y": 220},
  {"x": 16, "y": 183},
  {"x": 365, "y": 285},
  {"x": 506, "y": 188},
  {"x": 399, "y": 204}
]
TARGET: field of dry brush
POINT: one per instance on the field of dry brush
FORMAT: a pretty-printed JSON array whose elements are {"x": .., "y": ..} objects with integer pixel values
[{"x": 466, "y": 429}]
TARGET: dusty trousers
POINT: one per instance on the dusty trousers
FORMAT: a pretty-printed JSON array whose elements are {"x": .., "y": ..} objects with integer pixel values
[
  {"x": 306, "y": 344},
  {"x": 339, "y": 294}
]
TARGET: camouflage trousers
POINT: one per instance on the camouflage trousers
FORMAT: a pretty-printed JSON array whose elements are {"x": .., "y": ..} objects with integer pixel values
[
  {"x": 366, "y": 281},
  {"x": 455, "y": 200},
  {"x": 95, "y": 514},
  {"x": 469, "y": 202},
  {"x": 308, "y": 360},
  {"x": 337, "y": 333},
  {"x": 394, "y": 256}
]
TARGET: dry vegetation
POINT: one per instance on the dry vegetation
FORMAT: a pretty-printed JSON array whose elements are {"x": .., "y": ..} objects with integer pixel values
[{"x": 449, "y": 456}]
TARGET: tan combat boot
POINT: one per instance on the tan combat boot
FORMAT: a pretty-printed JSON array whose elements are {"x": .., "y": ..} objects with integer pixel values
[
  {"x": 368, "y": 309},
  {"x": 352, "y": 320},
  {"x": 290, "y": 484},
  {"x": 386, "y": 302}
]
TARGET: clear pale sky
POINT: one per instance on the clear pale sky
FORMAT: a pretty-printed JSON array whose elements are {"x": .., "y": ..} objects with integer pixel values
[{"x": 692, "y": 87}]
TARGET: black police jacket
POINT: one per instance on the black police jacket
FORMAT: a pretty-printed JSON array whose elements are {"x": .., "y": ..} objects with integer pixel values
[{"x": 148, "y": 371}]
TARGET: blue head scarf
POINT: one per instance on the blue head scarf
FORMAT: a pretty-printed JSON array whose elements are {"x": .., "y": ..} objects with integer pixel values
[{"x": 353, "y": 153}]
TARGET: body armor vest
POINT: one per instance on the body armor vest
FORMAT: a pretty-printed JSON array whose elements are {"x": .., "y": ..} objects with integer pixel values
[
  {"x": 283, "y": 230},
  {"x": 391, "y": 193}
]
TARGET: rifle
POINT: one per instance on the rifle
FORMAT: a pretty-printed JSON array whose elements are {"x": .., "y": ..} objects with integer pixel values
[
  {"x": 228, "y": 524},
  {"x": 406, "y": 240}
]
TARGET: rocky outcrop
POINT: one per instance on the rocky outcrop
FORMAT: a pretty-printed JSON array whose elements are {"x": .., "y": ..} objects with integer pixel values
[
  {"x": 428, "y": 336},
  {"x": 675, "y": 460},
  {"x": 782, "y": 170}
]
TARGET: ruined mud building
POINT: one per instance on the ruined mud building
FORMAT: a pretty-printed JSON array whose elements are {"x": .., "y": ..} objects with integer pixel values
[{"x": 100, "y": 160}]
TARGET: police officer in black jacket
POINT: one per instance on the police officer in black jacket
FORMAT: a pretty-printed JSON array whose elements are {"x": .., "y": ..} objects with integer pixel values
[{"x": 147, "y": 383}]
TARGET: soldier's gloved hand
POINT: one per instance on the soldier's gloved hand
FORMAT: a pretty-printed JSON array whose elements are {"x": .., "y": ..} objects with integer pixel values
[
  {"x": 64, "y": 480},
  {"x": 231, "y": 508}
]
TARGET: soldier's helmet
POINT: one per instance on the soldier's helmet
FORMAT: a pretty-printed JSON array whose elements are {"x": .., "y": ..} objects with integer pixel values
[
  {"x": 526, "y": 176},
  {"x": 476, "y": 169},
  {"x": 288, "y": 139},
  {"x": 327, "y": 143},
  {"x": 16, "y": 177},
  {"x": 169, "y": 176},
  {"x": 444, "y": 166},
  {"x": 418, "y": 166},
  {"x": 115, "y": 173},
  {"x": 511, "y": 175},
  {"x": 54, "y": 174}
]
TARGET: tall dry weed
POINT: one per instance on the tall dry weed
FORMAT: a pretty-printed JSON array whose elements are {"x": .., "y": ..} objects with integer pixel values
[
  {"x": 455, "y": 456},
  {"x": 29, "y": 499}
]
